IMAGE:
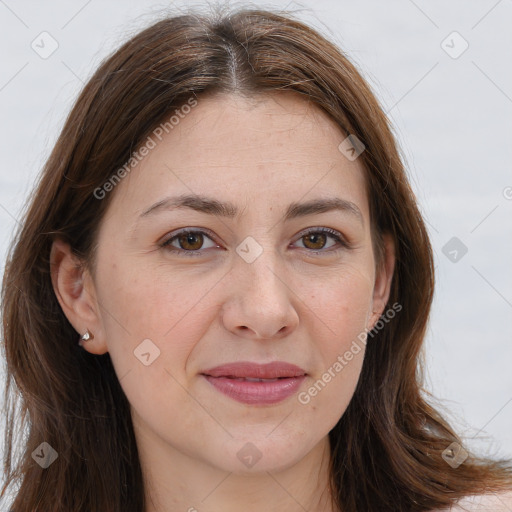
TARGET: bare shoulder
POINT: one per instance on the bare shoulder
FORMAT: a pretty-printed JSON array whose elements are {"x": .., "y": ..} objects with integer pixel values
[{"x": 492, "y": 502}]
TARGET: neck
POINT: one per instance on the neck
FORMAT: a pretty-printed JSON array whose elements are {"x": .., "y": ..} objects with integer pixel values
[{"x": 175, "y": 481}]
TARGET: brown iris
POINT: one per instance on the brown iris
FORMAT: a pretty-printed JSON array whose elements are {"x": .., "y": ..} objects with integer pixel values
[
  {"x": 315, "y": 239},
  {"x": 191, "y": 241}
]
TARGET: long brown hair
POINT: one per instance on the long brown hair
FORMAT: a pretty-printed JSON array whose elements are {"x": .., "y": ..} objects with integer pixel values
[{"x": 388, "y": 449}]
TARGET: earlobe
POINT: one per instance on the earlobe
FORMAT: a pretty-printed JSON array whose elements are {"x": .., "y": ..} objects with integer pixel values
[
  {"x": 75, "y": 293},
  {"x": 383, "y": 279}
]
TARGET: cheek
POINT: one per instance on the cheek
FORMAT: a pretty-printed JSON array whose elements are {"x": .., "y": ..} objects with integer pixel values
[
  {"x": 152, "y": 326},
  {"x": 152, "y": 322},
  {"x": 341, "y": 308},
  {"x": 341, "y": 302}
]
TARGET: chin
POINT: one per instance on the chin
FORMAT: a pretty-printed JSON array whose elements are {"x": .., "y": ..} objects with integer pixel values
[{"x": 251, "y": 455}]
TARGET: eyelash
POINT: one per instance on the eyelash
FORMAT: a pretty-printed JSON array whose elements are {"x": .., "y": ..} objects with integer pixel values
[{"x": 182, "y": 252}]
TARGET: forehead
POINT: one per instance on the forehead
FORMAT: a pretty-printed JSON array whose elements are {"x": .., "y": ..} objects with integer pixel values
[{"x": 265, "y": 149}]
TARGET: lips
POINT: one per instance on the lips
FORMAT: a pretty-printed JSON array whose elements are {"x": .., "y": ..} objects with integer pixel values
[{"x": 256, "y": 384}]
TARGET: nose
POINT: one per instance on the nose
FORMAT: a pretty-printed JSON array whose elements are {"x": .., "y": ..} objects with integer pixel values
[{"x": 260, "y": 300}]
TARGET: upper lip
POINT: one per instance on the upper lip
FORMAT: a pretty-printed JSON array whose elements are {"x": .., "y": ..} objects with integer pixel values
[{"x": 251, "y": 370}]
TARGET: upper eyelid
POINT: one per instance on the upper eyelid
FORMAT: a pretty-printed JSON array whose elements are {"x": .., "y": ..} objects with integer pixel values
[{"x": 169, "y": 236}]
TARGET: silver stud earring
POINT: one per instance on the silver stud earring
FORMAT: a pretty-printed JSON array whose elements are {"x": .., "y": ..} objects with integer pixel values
[{"x": 85, "y": 337}]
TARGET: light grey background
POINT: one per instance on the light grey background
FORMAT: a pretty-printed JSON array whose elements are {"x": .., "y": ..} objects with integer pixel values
[{"x": 452, "y": 117}]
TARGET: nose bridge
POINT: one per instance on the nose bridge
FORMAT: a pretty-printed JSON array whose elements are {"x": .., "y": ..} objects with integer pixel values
[
  {"x": 260, "y": 298},
  {"x": 259, "y": 265}
]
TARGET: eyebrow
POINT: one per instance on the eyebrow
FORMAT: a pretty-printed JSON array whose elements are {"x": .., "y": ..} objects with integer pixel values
[{"x": 212, "y": 206}]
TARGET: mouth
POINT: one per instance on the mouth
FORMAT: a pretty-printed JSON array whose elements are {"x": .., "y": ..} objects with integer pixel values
[{"x": 256, "y": 384}]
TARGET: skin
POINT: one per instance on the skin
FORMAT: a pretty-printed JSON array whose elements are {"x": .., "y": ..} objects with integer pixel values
[{"x": 205, "y": 310}]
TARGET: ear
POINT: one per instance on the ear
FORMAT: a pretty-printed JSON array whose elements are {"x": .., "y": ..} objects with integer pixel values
[
  {"x": 75, "y": 292},
  {"x": 383, "y": 278}
]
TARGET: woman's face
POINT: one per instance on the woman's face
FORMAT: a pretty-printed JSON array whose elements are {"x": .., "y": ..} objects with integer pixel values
[{"x": 249, "y": 284}]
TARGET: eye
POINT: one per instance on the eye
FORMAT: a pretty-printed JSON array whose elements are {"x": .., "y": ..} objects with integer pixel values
[
  {"x": 316, "y": 239},
  {"x": 187, "y": 242}
]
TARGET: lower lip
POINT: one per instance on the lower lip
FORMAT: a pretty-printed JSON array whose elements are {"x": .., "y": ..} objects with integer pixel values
[{"x": 256, "y": 393}]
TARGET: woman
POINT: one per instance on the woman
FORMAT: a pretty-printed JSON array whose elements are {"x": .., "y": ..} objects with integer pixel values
[{"x": 227, "y": 225}]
